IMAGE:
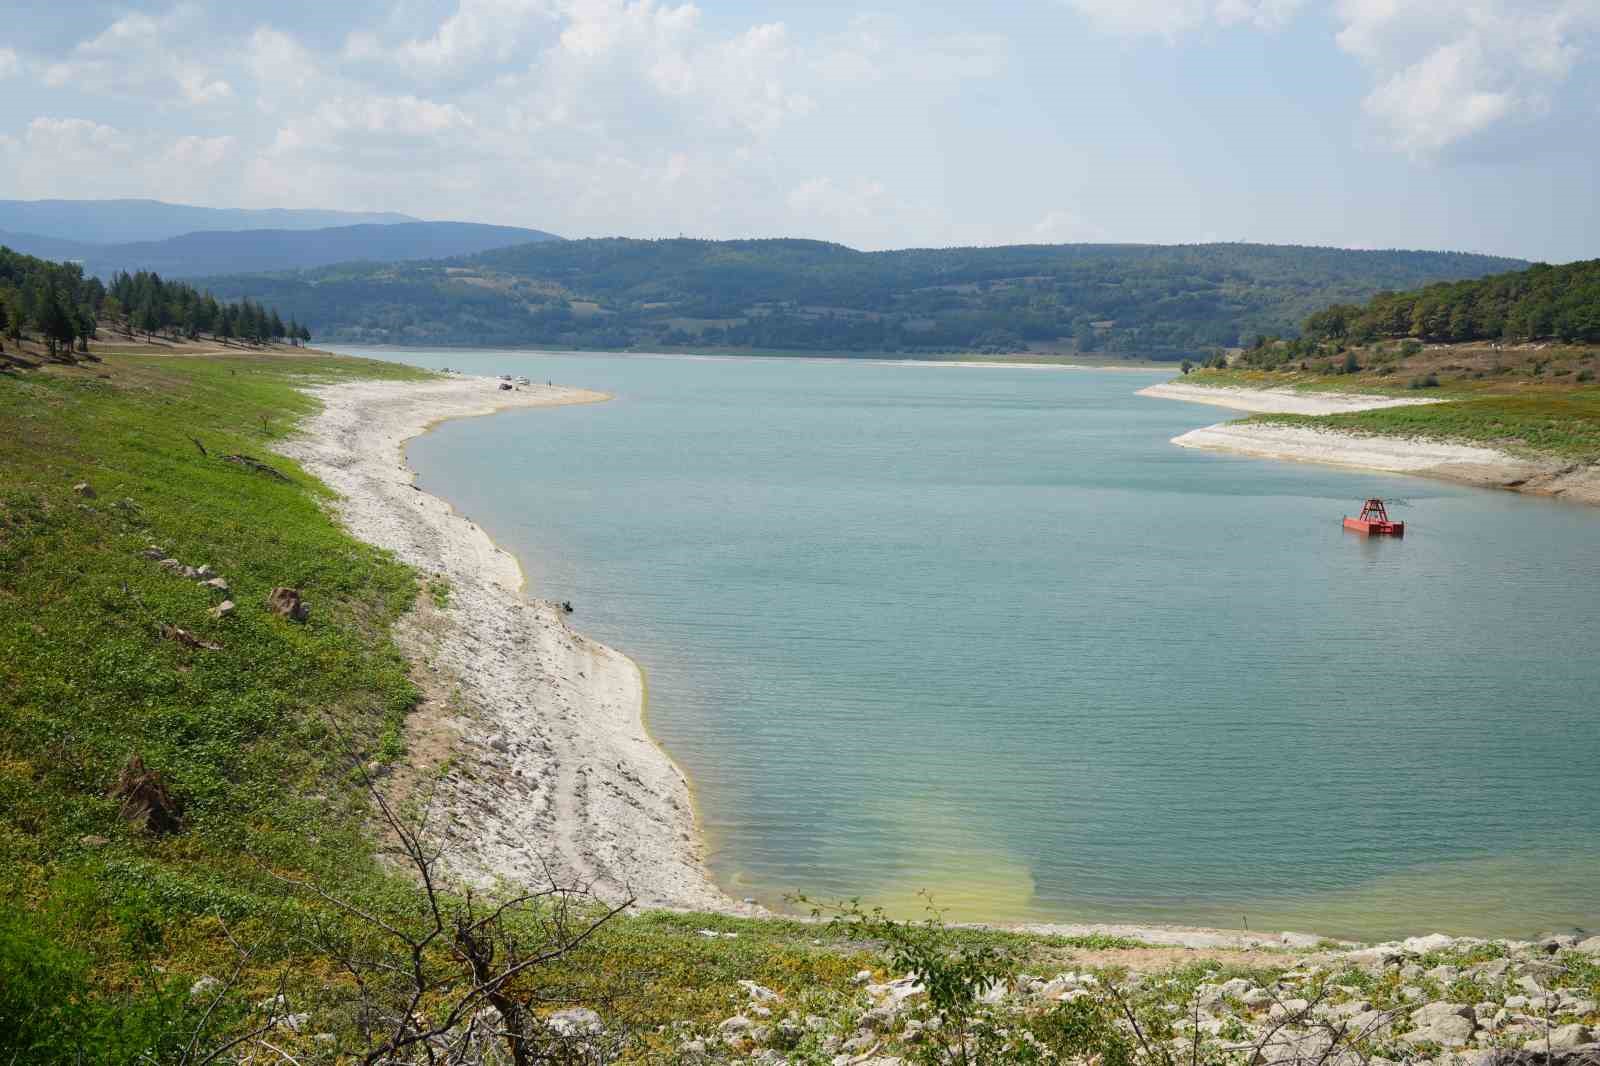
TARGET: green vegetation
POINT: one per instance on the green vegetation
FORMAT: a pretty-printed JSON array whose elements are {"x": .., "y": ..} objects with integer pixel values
[
  {"x": 1557, "y": 302},
  {"x": 1521, "y": 382},
  {"x": 64, "y": 307},
  {"x": 1162, "y": 302},
  {"x": 1555, "y": 424}
]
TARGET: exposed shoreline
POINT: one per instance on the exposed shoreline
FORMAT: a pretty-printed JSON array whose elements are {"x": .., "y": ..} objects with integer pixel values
[
  {"x": 1468, "y": 464},
  {"x": 532, "y": 736}
]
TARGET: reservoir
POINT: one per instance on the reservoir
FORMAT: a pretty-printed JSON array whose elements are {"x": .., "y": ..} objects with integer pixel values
[{"x": 983, "y": 633}]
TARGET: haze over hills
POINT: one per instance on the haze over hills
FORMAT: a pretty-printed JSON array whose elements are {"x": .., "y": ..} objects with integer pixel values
[
  {"x": 119, "y": 221},
  {"x": 1161, "y": 301},
  {"x": 253, "y": 250}
]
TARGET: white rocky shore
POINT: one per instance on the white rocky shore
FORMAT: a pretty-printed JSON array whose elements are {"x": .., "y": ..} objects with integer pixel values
[
  {"x": 1430, "y": 999},
  {"x": 1423, "y": 457},
  {"x": 531, "y": 735}
]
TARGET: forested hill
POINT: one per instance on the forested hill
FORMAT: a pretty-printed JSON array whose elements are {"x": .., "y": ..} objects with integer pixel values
[
  {"x": 1146, "y": 300},
  {"x": 1558, "y": 302}
]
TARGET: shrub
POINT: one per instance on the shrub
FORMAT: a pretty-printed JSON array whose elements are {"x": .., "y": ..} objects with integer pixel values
[{"x": 1430, "y": 381}]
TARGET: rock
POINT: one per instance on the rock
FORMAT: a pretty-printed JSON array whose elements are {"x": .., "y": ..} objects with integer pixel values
[
  {"x": 1372, "y": 1023},
  {"x": 204, "y": 986},
  {"x": 862, "y": 977},
  {"x": 1299, "y": 940},
  {"x": 218, "y": 583},
  {"x": 1256, "y": 997},
  {"x": 1347, "y": 1010},
  {"x": 1589, "y": 947},
  {"x": 1422, "y": 945},
  {"x": 1550, "y": 945},
  {"x": 878, "y": 1019},
  {"x": 286, "y": 603},
  {"x": 1288, "y": 1008},
  {"x": 93, "y": 840},
  {"x": 1445, "y": 1024},
  {"x": 1530, "y": 985},
  {"x": 222, "y": 610},
  {"x": 296, "y": 1022},
  {"x": 736, "y": 1027},
  {"x": 186, "y": 638},
  {"x": 1564, "y": 1038},
  {"x": 1588, "y": 1055},
  {"x": 574, "y": 1021},
  {"x": 1433, "y": 1012},
  {"x": 1382, "y": 954},
  {"x": 759, "y": 993},
  {"x": 203, "y": 570},
  {"x": 154, "y": 553},
  {"x": 1493, "y": 970},
  {"x": 172, "y": 566},
  {"x": 84, "y": 489}
]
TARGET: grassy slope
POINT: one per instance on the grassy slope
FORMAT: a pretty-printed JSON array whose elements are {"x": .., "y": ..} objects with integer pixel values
[
  {"x": 86, "y": 680},
  {"x": 1528, "y": 401}
]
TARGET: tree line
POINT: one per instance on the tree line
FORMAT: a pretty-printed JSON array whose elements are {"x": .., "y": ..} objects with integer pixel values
[
  {"x": 64, "y": 309},
  {"x": 143, "y": 302},
  {"x": 1543, "y": 302}
]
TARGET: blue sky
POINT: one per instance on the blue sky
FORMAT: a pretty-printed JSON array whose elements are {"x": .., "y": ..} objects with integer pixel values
[{"x": 1460, "y": 124}]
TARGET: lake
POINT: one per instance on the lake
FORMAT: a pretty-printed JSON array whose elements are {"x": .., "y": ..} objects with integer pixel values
[{"x": 984, "y": 633}]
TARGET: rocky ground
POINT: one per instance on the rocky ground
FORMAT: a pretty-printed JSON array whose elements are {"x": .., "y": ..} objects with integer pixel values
[{"x": 1430, "y": 999}]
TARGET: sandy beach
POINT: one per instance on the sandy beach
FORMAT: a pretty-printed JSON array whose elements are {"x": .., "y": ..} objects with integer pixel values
[
  {"x": 530, "y": 734},
  {"x": 1467, "y": 463},
  {"x": 1278, "y": 401}
]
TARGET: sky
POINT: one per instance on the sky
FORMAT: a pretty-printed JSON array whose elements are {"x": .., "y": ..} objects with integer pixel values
[{"x": 1450, "y": 124}]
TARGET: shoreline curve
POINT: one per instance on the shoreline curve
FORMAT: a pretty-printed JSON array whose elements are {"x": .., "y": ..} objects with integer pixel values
[{"x": 535, "y": 735}]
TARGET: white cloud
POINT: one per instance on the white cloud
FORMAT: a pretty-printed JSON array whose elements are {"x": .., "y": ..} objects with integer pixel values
[
  {"x": 140, "y": 54},
  {"x": 1448, "y": 72},
  {"x": 1170, "y": 18},
  {"x": 478, "y": 31},
  {"x": 10, "y": 64}
]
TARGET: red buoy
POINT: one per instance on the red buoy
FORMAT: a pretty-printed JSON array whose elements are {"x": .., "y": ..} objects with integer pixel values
[{"x": 1374, "y": 521}]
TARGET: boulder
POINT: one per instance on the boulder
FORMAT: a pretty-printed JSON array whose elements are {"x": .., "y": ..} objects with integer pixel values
[
  {"x": 574, "y": 1022},
  {"x": 1422, "y": 945},
  {"x": 1588, "y": 1055},
  {"x": 759, "y": 993},
  {"x": 1564, "y": 1037},
  {"x": 222, "y": 610},
  {"x": 1589, "y": 947},
  {"x": 84, "y": 489},
  {"x": 286, "y": 603},
  {"x": 1288, "y": 1008}
]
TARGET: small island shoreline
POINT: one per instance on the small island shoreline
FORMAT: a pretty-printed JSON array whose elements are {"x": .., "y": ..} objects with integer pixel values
[{"x": 1445, "y": 460}]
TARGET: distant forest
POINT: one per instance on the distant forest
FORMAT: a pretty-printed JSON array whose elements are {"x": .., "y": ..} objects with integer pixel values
[
  {"x": 56, "y": 302},
  {"x": 1164, "y": 302},
  {"x": 1558, "y": 302}
]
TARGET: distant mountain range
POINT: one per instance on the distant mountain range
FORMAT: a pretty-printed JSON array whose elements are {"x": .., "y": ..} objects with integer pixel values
[
  {"x": 257, "y": 250},
  {"x": 122, "y": 221},
  {"x": 1159, "y": 301}
]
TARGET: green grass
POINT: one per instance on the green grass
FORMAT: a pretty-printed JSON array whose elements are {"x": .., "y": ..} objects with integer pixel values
[
  {"x": 1562, "y": 425},
  {"x": 242, "y": 735},
  {"x": 1523, "y": 414}
]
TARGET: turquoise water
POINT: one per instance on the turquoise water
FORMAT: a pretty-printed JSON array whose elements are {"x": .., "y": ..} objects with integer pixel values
[{"x": 986, "y": 633}]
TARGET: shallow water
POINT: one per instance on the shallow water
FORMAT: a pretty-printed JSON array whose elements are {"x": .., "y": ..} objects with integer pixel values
[{"x": 986, "y": 633}]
